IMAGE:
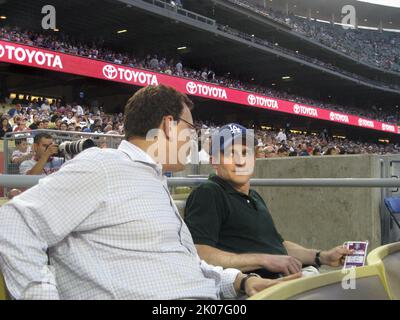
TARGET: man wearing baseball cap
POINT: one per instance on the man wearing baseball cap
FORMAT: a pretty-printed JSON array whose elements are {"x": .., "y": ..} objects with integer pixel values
[{"x": 230, "y": 223}]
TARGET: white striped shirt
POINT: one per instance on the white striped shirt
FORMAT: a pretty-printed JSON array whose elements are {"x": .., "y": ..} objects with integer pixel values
[{"x": 112, "y": 230}]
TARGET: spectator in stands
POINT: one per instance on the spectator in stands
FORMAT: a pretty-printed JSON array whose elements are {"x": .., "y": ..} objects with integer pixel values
[
  {"x": 179, "y": 68},
  {"x": 283, "y": 152},
  {"x": 44, "y": 161},
  {"x": 45, "y": 107},
  {"x": 230, "y": 223},
  {"x": 117, "y": 240},
  {"x": 204, "y": 154},
  {"x": 281, "y": 137},
  {"x": 63, "y": 126},
  {"x": 303, "y": 147},
  {"x": 21, "y": 125},
  {"x": 13, "y": 193},
  {"x": 5, "y": 127},
  {"x": 45, "y": 124},
  {"x": 35, "y": 122},
  {"x": 22, "y": 152},
  {"x": 331, "y": 151},
  {"x": 15, "y": 111}
]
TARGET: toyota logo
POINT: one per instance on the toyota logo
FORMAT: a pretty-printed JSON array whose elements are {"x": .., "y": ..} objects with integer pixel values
[
  {"x": 110, "y": 72},
  {"x": 191, "y": 87},
  {"x": 251, "y": 99},
  {"x": 296, "y": 108},
  {"x": 2, "y": 51},
  {"x": 332, "y": 116}
]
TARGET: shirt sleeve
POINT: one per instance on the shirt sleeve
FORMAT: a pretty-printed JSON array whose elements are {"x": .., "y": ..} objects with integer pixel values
[
  {"x": 40, "y": 218},
  {"x": 224, "y": 279},
  {"x": 203, "y": 215},
  {"x": 25, "y": 166}
]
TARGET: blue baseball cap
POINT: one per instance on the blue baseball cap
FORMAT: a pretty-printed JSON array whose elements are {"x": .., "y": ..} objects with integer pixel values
[{"x": 229, "y": 134}]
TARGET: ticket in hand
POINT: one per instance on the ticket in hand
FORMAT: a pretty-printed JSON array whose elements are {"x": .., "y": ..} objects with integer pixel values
[{"x": 357, "y": 259}]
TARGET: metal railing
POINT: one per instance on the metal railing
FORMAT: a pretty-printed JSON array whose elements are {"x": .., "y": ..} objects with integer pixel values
[
  {"x": 22, "y": 181},
  {"x": 183, "y": 12}
]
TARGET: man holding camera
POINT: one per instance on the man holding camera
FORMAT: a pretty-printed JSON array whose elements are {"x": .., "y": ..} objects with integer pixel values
[{"x": 44, "y": 161}]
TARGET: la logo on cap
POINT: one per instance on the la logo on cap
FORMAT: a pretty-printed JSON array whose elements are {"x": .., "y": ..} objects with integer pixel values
[{"x": 234, "y": 129}]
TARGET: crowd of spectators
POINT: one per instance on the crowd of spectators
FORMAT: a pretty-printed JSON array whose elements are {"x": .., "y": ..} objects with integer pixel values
[
  {"x": 381, "y": 49},
  {"x": 65, "y": 44},
  {"x": 39, "y": 113},
  {"x": 284, "y": 142}
]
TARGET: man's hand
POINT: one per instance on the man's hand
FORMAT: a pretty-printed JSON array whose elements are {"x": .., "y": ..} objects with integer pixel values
[
  {"x": 254, "y": 285},
  {"x": 335, "y": 257},
  {"x": 281, "y": 264},
  {"x": 51, "y": 150}
]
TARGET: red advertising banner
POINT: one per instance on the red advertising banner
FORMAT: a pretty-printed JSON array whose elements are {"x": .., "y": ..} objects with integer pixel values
[{"x": 59, "y": 62}]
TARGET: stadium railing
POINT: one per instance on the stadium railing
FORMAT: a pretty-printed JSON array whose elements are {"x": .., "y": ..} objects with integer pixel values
[
  {"x": 3, "y": 290},
  {"x": 181, "y": 11}
]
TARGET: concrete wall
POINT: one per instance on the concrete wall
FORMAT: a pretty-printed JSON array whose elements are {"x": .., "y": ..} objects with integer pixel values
[{"x": 322, "y": 217}]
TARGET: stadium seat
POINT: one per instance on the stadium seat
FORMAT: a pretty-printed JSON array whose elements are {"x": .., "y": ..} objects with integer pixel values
[
  {"x": 393, "y": 205},
  {"x": 389, "y": 256},
  {"x": 369, "y": 285},
  {"x": 3, "y": 291}
]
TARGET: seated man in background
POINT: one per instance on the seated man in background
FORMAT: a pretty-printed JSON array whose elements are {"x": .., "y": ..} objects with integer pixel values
[
  {"x": 230, "y": 223},
  {"x": 44, "y": 161}
]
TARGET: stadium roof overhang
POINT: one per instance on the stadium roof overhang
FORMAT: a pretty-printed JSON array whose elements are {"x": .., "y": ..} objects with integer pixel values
[
  {"x": 369, "y": 12},
  {"x": 236, "y": 16}
]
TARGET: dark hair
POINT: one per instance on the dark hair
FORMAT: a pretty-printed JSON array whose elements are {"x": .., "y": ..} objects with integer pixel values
[
  {"x": 40, "y": 136},
  {"x": 19, "y": 141},
  {"x": 282, "y": 150},
  {"x": 316, "y": 152},
  {"x": 147, "y": 107}
]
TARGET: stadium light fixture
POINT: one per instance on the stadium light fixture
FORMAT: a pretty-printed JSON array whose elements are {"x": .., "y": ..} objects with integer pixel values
[
  {"x": 56, "y": 30},
  {"x": 182, "y": 48},
  {"x": 3, "y": 17},
  {"x": 122, "y": 31},
  {"x": 274, "y": 84},
  {"x": 286, "y": 78}
]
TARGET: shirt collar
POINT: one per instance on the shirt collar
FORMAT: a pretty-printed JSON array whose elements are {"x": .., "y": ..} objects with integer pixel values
[
  {"x": 225, "y": 185},
  {"x": 138, "y": 155}
]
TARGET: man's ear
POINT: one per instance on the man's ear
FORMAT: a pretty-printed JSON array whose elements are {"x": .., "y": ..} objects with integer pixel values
[{"x": 167, "y": 126}]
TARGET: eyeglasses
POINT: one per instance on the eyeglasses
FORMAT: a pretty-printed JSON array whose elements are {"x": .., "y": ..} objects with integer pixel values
[
  {"x": 192, "y": 128},
  {"x": 188, "y": 123}
]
